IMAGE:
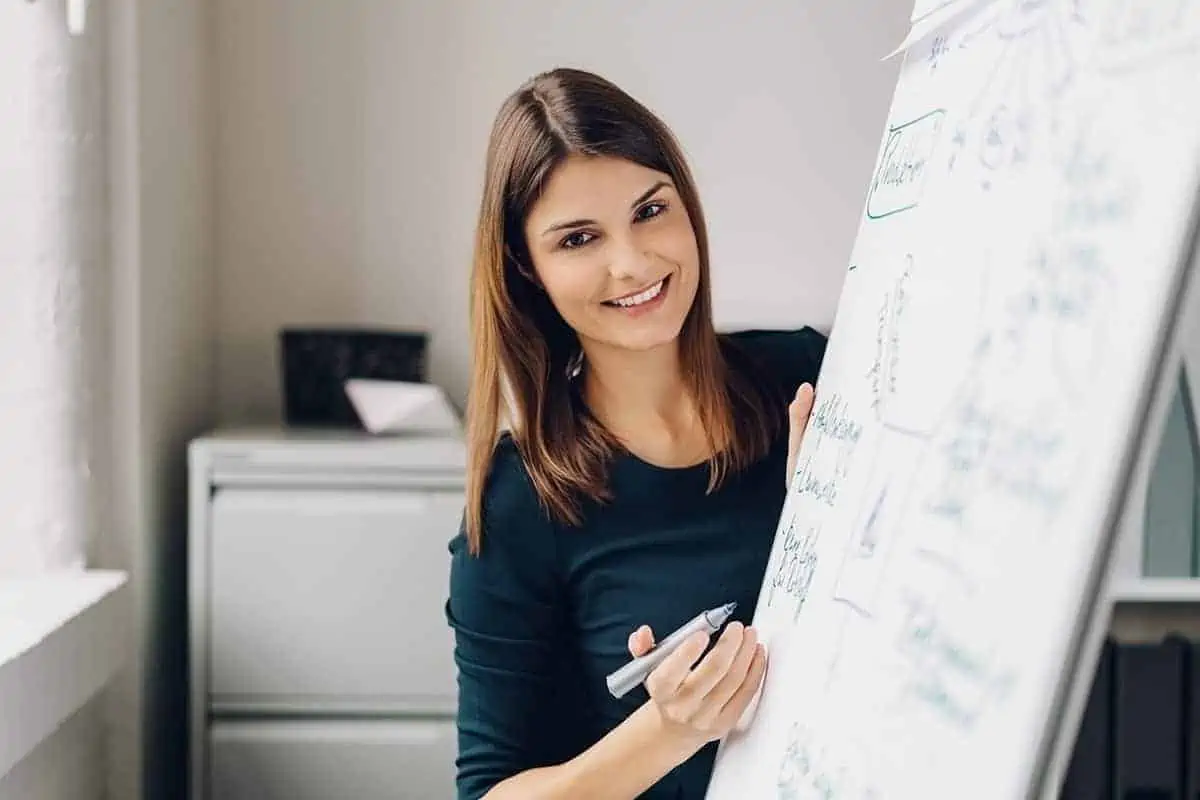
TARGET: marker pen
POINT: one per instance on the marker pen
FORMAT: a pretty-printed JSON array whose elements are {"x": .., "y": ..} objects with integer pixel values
[{"x": 637, "y": 670}]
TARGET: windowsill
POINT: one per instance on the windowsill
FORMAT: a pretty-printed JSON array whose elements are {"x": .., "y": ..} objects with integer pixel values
[{"x": 62, "y": 638}]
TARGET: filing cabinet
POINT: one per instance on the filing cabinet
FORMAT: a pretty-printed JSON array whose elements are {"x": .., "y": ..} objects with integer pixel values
[{"x": 321, "y": 665}]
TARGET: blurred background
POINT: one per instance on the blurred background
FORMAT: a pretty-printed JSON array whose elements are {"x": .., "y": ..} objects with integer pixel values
[{"x": 182, "y": 181}]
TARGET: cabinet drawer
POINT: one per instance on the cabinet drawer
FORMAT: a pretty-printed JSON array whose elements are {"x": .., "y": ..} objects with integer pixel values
[
  {"x": 364, "y": 760},
  {"x": 331, "y": 598}
]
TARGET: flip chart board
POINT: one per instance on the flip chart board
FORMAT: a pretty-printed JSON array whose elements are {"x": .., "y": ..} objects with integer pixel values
[{"x": 1022, "y": 245}]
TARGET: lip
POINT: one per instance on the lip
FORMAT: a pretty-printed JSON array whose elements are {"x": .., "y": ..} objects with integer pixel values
[
  {"x": 636, "y": 292},
  {"x": 649, "y": 307}
]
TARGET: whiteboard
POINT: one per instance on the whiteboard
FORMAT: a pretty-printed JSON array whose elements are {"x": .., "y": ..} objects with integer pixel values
[{"x": 1022, "y": 241}]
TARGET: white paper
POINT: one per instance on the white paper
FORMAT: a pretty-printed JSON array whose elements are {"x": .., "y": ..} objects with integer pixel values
[
  {"x": 1019, "y": 245},
  {"x": 399, "y": 406}
]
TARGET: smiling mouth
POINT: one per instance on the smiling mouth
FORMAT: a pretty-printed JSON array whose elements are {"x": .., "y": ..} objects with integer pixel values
[{"x": 647, "y": 295}]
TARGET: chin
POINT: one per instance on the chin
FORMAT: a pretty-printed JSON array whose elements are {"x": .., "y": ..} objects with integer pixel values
[
  {"x": 646, "y": 344},
  {"x": 664, "y": 334}
]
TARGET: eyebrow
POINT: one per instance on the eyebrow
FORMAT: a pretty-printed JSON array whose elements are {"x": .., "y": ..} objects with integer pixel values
[{"x": 577, "y": 223}]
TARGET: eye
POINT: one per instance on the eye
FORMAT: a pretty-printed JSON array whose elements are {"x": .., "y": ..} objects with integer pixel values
[
  {"x": 573, "y": 241},
  {"x": 651, "y": 210}
]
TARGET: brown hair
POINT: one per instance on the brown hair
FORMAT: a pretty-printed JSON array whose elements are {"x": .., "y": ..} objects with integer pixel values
[{"x": 521, "y": 346}]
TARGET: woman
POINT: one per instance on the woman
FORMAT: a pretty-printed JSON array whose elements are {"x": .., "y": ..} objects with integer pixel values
[{"x": 643, "y": 476}]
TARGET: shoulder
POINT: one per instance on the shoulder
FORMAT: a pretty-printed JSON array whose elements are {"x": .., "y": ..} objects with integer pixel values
[
  {"x": 516, "y": 528},
  {"x": 790, "y": 357},
  {"x": 509, "y": 496}
]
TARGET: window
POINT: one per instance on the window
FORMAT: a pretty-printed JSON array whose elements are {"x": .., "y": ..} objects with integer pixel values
[
  {"x": 53, "y": 309},
  {"x": 1171, "y": 498}
]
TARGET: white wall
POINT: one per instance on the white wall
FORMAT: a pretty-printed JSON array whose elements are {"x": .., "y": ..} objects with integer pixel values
[
  {"x": 67, "y": 766},
  {"x": 351, "y": 136},
  {"x": 162, "y": 367}
]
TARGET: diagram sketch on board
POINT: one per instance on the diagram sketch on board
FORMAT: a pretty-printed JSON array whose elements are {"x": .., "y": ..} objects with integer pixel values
[{"x": 1021, "y": 240}]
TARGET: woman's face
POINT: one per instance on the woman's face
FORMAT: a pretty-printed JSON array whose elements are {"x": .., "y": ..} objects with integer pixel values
[{"x": 614, "y": 248}]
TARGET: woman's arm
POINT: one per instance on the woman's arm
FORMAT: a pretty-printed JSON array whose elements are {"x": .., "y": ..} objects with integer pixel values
[
  {"x": 517, "y": 736},
  {"x": 689, "y": 706},
  {"x": 629, "y": 760}
]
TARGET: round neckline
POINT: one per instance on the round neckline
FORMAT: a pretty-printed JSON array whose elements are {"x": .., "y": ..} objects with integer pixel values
[{"x": 651, "y": 466}]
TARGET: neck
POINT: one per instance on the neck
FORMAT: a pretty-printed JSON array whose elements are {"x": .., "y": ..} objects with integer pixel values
[{"x": 634, "y": 393}]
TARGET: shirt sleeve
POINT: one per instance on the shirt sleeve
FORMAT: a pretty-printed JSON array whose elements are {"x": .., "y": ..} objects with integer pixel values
[
  {"x": 801, "y": 354},
  {"x": 790, "y": 357},
  {"x": 505, "y": 610}
]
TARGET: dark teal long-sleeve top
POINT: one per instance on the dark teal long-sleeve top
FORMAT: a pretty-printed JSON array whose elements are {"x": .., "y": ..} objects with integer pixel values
[{"x": 544, "y": 612}]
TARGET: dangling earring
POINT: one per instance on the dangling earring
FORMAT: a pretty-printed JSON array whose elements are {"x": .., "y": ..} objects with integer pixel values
[{"x": 575, "y": 365}]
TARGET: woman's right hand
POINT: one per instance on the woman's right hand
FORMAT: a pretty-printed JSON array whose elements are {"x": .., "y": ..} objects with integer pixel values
[{"x": 703, "y": 702}]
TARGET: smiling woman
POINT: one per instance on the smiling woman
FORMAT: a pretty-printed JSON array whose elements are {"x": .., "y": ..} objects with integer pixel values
[
  {"x": 645, "y": 469},
  {"x": 565, "y": 225}
]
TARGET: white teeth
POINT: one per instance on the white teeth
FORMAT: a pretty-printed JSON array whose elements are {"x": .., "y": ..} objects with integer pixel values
[{"x": 641, "y": 297}]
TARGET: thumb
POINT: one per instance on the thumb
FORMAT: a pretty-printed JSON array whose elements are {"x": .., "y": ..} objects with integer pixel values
[
  {"x": 641, "y": 641},
  {"x": 798, "y": 413}
]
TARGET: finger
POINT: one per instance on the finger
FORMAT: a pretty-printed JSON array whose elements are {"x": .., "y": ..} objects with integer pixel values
[
  {"x": 733, "y": 678},
  {"x": 737, "y": 704},
  {"x": 641, "y": 641},
  {"x": 665, "y": 680},
  {"x": 746, "y": 716},
  {"x": 799, "y": 412},
  {"x": 714, "y": 666}
]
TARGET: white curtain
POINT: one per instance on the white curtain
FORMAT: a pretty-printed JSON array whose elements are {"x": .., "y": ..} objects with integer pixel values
[{"x": 53, "y": 288}]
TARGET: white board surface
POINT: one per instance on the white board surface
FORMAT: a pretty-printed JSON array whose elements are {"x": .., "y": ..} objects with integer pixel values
[{"x": 990, "y": 362}]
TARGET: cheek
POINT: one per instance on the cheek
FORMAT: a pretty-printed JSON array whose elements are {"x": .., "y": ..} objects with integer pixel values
[
  {"x": 679, "y": 246},
  {"x": 569, "y": 285}
]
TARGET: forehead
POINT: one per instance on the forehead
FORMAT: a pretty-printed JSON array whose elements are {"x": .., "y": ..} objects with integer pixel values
[{"x": 592, "y": 186}]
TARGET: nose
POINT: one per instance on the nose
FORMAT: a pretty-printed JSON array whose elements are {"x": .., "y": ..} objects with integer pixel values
[{"x": 630, "y": 260}]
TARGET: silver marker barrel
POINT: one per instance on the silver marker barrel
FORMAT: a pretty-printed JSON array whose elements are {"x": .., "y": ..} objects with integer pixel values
[{"x": 636, "y": 671}]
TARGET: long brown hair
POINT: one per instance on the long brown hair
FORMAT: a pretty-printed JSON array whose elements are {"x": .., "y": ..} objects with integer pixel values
[{"x": 522, "y": 349}]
